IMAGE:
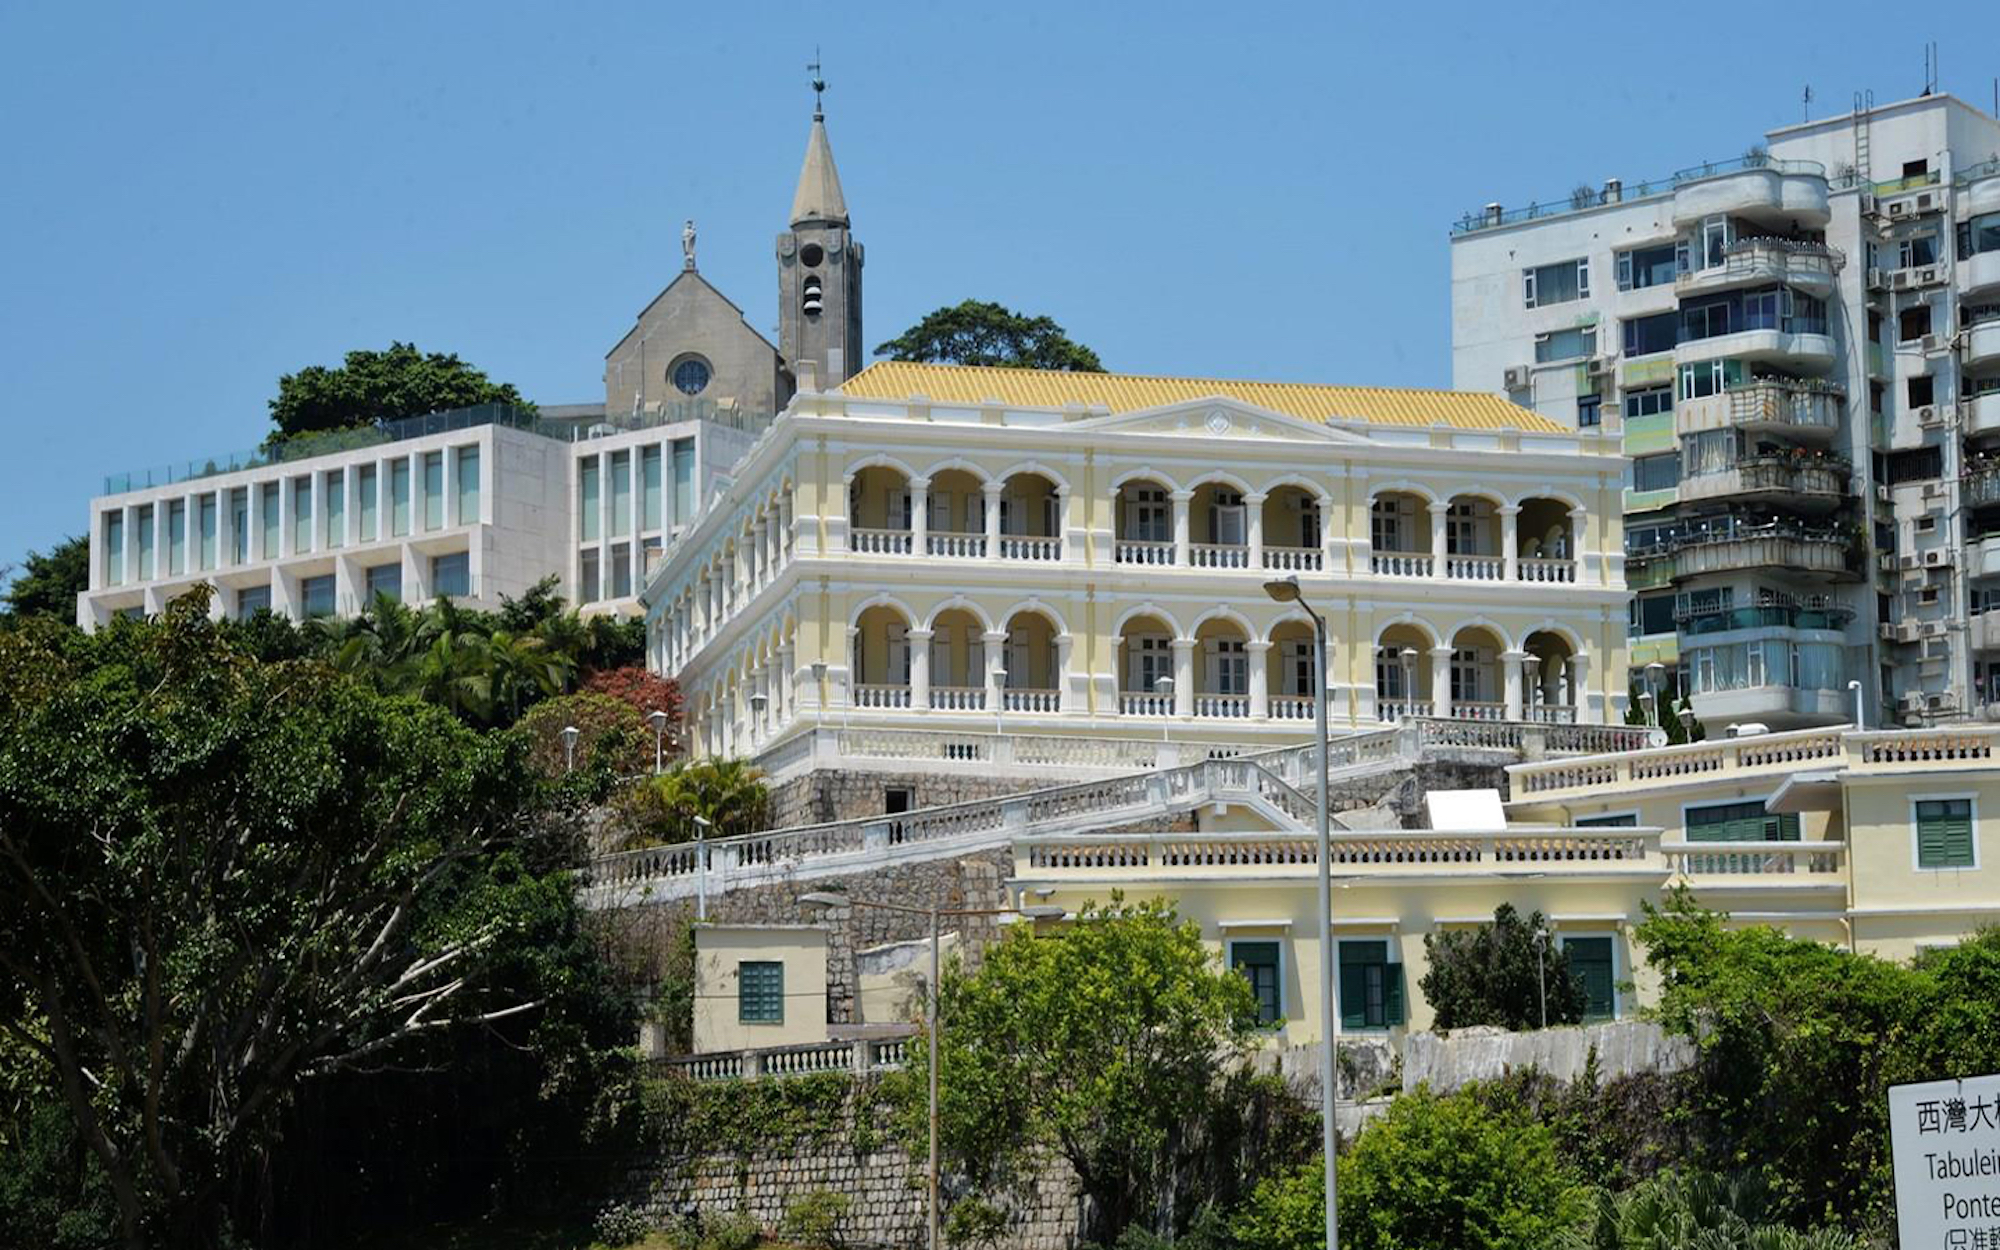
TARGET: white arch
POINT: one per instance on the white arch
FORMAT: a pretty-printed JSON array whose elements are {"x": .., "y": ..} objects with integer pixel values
[
  {"x": 1317, "y": 490},
  {"x": 960, "y": 602},
  {"x": 1288, "y": 616},
  {"x": 1039, "y": 606},
  {"x": 880, "y": 459},
  {"x": 1402, "y": 487},
  {"x": 884, "y": 599},
  {"x": 1036, "y": 467},
  {"x": 961, "y": 464},
  {"x": 1221, "y": 612},
  {"x": 1146, "y": 609},
  {"x": 1564, "y": 497},
  {"x": 1488, "y": 624},
  {"x": 1407, "y": 618},
  {"x": 1495, "y": 497},
  {"x": 1209, "y": 477},
  {"x": 1570, "y": 637},
  {"x": 1144, "y": 473}
]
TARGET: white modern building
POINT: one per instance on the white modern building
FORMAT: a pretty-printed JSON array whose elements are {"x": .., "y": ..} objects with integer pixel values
[
  {"x": 1800, "y": 348},
  {"x": 482, "y": 503}
]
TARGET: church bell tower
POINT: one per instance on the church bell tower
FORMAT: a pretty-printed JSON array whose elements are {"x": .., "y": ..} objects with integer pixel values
[{"x": 819, "y": 273}]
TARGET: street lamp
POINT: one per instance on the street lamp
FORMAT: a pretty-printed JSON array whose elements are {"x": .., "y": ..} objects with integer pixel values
[
  {"x": 758, "y": 702},
  {"x": 702, "y": 825},
  {"x": 1655, "y": 675},
  {"x": 1164, "y": 687},
  {"x": 1541, "y": 978},
  {"x": 821, "y": 898},
  {"x": 658, "y": 720},
  {"x": 1408, "y": 655},
  {"x": 570, "y": 734},
  {"x": 1286, "y": 590},
  {"x": 1860, "y": 718}
]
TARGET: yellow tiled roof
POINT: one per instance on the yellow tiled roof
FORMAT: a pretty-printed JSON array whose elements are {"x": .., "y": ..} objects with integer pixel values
[{"x": 1131, "y": 392}]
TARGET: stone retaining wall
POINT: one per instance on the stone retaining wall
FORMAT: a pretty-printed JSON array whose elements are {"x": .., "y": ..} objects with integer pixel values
[{"x": 1484, "y": 1054}]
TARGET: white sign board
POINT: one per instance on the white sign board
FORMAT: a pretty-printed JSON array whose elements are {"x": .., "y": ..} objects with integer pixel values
[{"x": 1945, "y": 1139}]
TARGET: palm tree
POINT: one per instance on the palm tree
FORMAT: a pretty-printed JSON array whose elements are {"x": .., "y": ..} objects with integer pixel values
[
  {"x": 523, "y": 669},
  {"x": 1693, "y": 1211}
]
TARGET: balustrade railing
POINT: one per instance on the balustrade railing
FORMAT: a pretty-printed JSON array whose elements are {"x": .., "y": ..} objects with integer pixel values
[
  {"x": 1783, "y": 751},
  {"x": 958, "y": 698},
  {"x": 956, "y": 545},
  {"x": 1354, "y": 853},
  {"x": 1132, "y": 703},
  {"x": 862, "y": 1056},
  {"x": 1399, "y": 563},
  {"x": 1468, "y": 709},
  {"x": 1475, "y": 568},
  {"x": 867, "y": 694},
  {"x": 1033, "y": 700},
  {"x": 1134, "y": 551},
  {"x": 1902, "y": 749},
  {"x": 1219, "y": 556},
  {"x": 1821, "y": 860},
  {"x": 1294, "y": 559},
  {"x": 1535, "y": 569},
  {"x": 1291, "y": 707},
  {"x": 1552, "y": 713},
  {"x": 1229, "y": 705},
  {"x": 1030, "y": 547},
  {"x": 874, "y": 542},
  {"x": 1401, "y": 709}
]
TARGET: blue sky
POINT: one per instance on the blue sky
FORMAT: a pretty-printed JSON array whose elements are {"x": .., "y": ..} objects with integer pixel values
[{"x": 198, "y": 198}]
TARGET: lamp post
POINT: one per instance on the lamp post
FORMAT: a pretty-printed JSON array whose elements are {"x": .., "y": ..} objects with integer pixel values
[
  {"x": 658, "y": 720},
  {"x": 1860, "y": 718},
  {"x": 1164, "y": 687},
  {"x": 1408, "y": 655},
  {"x": 931, "y": 1004},
  {"x": 1286, "y": 590},
  {"x": 1541, "y": 977},
  {"x": 1655, "y": 674},
  {"x": 702, "y": 825},
  {"x": 570, "y": 734},
  {"x": 758, "y": 702}
]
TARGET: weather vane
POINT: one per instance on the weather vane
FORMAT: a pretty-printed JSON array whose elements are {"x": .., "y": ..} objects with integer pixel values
[{"x": 818, "y": 86}]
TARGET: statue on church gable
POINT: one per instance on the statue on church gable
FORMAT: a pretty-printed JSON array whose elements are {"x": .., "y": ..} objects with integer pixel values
[{"x": 687, "y": 245}]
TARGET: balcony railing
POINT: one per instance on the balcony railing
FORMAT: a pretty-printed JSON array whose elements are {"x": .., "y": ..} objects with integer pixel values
[
  {"x": 1218, "y": 556},
  {"x": 1538, "y": 570},
  {"x": 1023, "y": 700},
  {"x": 881, "y": 696},
  {"x": 877, "y": 542},
  {"x": 1355, "y": 854},
  {"x": 861, "y": 1057},
  {"x": 1293, "y": 559},
  {"x": 1400, "y": 709},
  {"x": 955, "y": 545},
  {"x": 1764, "y": 753},
  {"x": 1473, "y": 709},
  {"x": 1291, "y": 707},
  {"x": 1141, "y": 551},
  {"x": 1030, "y": 547},
  {"x": 1982, "y": 486},
  {"x": 958, "y": 698},
  {"x": 1802, "y": 863},
  {"x": 1132, "y": 703},
  {"x": 1552, "y": 713},
  {"x": 1475, "y": 568},
  {"x": 1796, "y": 404},
  {"x": 1400, "y": 563},
  {"x": 1770, "y": 473},
  {"x": 1232, "y": 706}
]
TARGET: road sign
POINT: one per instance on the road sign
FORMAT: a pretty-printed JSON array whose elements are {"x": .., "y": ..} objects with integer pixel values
[{"x": 1945, "y": 1139}]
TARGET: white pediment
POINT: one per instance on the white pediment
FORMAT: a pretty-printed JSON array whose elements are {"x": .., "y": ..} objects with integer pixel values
[{"x": 1219, "y": 417}]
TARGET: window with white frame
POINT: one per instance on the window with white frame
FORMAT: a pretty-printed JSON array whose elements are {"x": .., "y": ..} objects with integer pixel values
[
  {"x": 1262, "y": 963},
  {"x": 1945, "y": 833},
  {"x": 1228, "y": 666},
  {"x": 1389, "y": 521},
  {"x": 1556, "y": 284},
  {"x": 1464, "y": 529},
  {"x": 1148, "y": 658},
  {"x": 1147, "y": 517},
  {"x": 1472, "y": 675},
  {"x": 1225, "y": 518},
  {"x": 1298, "y": 666}
]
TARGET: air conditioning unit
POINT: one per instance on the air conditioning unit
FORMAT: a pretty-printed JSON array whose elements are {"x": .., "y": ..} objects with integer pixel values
[
  {"x": 1944, "y": 702},
  {"x": 1908, "y": 561},
  {"x": 1936, "y": 559},
  {"x": 1899, "y": 208},
  {"x": 1927, "y": 416},
  {"x": 1882, "y": 492},
  {"x": 1877, "y": 279},
  {"x": 1900, "y": 280},
  {"x": 1907, "y": 631},
  {"x": 1933, "y": 629},
  {"x": 1931, "y": 344},
  {"x": 1598, "y": 366},
  {"x": 1887, "y": 631},
  {"x": 1516, "y": 378},
  {"x": 1933, "y": 490},
  {"x": 1913, "y": 701}
]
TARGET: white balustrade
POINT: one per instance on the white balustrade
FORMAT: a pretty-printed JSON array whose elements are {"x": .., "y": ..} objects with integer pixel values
[
  {"x": 1807, "y": 860},
  {"x": 1618, "y": 758},
  {"x": 1291, "y": 707},
  {"x": 1133, "y": 551},
  {"x": 1401, "y": 709},
  {"x": 879, "y": 542},
  {"x": 1399, "y": 564},
  {"x": 1136, "y": 704},
  {"x": 1475, "y": 568},
  {"x": 1539, "y": 570},
  {"x": 1033, "y": 700},
  {"x": 1224, "y": 705},
  {"x": 956, "y": 545},
  {"x": 958, "y": 698},
  {"x": 1029, "y": 547},
  {"x": 870, "y": 695},
  {"x": 1553, "y": 714},
  {"x": 1293, "y": 559},
  {"x": 1466, "y": 709},
  {"x": 1219, "y": 556}
]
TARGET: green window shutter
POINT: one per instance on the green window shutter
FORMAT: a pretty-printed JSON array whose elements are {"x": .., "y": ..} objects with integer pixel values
[
  {"x": 1258, "y": 962},
  {"x": 760, "y": 992},
  {"x": 1590, "y": 958},
  {"x": 1738, "y": 822},
  {"x": 1944, "y": 833},
  {"x": 1626, "y": 821},
  {"x": 1353, "y": 995},
  {"x": 1365, "y": 985},
  {"x": 1392, "y": 995}
]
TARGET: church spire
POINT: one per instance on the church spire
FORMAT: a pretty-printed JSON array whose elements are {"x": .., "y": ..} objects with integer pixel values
[{"x": 818, "y": 198}]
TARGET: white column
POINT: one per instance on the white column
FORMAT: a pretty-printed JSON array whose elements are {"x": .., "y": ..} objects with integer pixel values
[
  {"x": 1326, "y": 536},
  {"x": 1184, "y": 677},
  {"x": 1510, "y": 541},
  {"x": 788, "y": 539},
  {"x": 1260, "y": 694},
  {"x": 1180, "y": 499},
  {"x": 1253, "y": 510},
  {"x": 1063, "y": 524},
  {"x": 992, "y": 490},
  {"x": 1065, "y": 701},
  {"x": 920, "y": 666},
  {"x": 1590, "y": 572},
  {"x": 129, "y": 556},
  {"x": 1438, "y": 542},
  {"x": 225, "y": 534},
  {"x": 1440, "y": 681},
  {"x": 920, "y": 516},
  {"x": 783, "y": 695},
  {"x": 1591, "y": 707},
  {"x": 760, "y": 570},
  {"x": 1510, "y": 670},
  {"x": 996, "y": 669},
  {"x": 287, "y": 510}
]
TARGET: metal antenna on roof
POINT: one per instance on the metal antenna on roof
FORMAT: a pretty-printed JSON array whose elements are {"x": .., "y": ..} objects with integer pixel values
[
  {"x": 818, "y": 86},
  {"x": 1808, "y": 103}
]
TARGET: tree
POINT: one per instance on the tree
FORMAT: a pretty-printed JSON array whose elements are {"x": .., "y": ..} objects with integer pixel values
[
  {"x": 48, "y": 585},
  {"x": 612, "y": 738},
  {"x": 378, "y": 386},
  {"x": 1693, "y": 1209},
  {"x": 1432, "y": 1171},
  {"x": 220, "y": 878},
  {"x": 980, "y": 333},
  {"x": 1488, "y": 975},
  {"x": 729, "y": 794},
  {"x": 1106, "y": 1042}
]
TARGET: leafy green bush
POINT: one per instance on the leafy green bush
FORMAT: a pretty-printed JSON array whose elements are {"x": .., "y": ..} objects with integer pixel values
[
  {"x": 973, "y": 1222},
  {"x": 1488, "y": 975},
  {"x": 611, "y": 736},
  {"x": 731, "y": 1232},
  {"x": 729, "y": 794},
  {"x": 1693, "y": 1209},
  {"x": 621, "y": 1224},
  {"x": 817, "y": 1219}
]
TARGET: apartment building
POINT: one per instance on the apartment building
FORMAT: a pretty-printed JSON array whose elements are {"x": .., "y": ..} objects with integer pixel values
[
  {"x": 930, "y": 551},
  {"x": 1800, "y": 349},
  {"x": 482, "y": 503}
]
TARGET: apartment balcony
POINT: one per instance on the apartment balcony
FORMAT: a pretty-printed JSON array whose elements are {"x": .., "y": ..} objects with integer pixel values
[
  {"x": 1807, "y": 348},
  {"x": 1782, "y": 706},
  {"x": 1737, "y": 867},
  {"x": 1803, "y": 486},
  {"x": 1982, "y": 413},
  {"x": 1983, "y": 632},
  {"x": 1806, "y": 266},
  {"x": 1983, "y": 554},
  {"x": 1771, "y": 192},
  {"x": 1807, "y": 411},
  {"x": 1730, "y": 547},
  {"x": 1980, "y": 272},
  {"x": 1982, "y": 343}
]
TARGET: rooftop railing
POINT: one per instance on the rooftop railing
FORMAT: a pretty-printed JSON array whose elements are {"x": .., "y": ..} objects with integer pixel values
[
  {"x": 1973, "y": 173},
  {"x": 1780, "y": 752},
  {"x": 1582, "y": 199}
]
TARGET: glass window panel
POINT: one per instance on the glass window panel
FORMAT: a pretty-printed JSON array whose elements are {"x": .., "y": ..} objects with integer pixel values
[
  {"x": 144, "y": 520},
  {"x": 433, "y": 490},
  {"x": 208, "y": 518},
  {"x": 621, "y": 493},
  {"x": 176, "y": 538},
  {"x": 760, "y": 989},
  {"x": 586, "y": 592},
  {"x": 589, "y": 503},
  {"x": 317, "y": 593},
  {"x": 683, "y": 480},
  {"x": 268, "y": 506},
  {"x": 250, "y": 600},
  {"x": 621, "y": 571},
  {"x": 1258, "y": 962},
  {"x": 335, "y": 485},
  {"x": 649, "y": 470},
  {"x": 452, "y": 574},
  {"x": 399, "y": 497},
  {"x": 239, "y": 525},
  {"x": 386, "y": 579},
  {"x": 301, "y": 514},
  {"x": 468, "y": 485},
  {"x": 365, "y": 484},
  {"x": 114, "y": 548}
]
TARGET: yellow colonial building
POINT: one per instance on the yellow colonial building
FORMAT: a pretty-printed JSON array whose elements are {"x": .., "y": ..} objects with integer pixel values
[{"x": 931, "y": 549}]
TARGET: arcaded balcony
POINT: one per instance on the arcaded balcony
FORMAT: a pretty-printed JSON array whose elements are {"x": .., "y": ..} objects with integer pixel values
[
  {"x": 954, "y": 515},
  {"x": 1292, "y": 537},
  {"x": 1219, "y": 527},
  {"x": 1545, "y": 538},
  {"x": 879, "y": 512},
  {"x": 1147, "y": 660},
  {"x": 1032, "y": 664},
  {"x": 1403, "y": 669},
  {"x": 1290, "y": 672},
  {"x": 1400, "y": 539},
  {"x": 1224, "y": 660},
  {"x": 1030, "y": 519},
  {"x": 880, "y": 659},
  {"x": 1148, "y": 518}
]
